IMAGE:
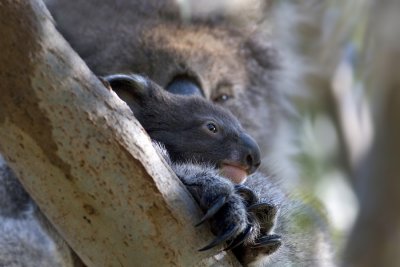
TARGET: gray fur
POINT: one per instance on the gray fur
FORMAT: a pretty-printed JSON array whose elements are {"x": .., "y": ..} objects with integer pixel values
[
  {"x": 290, "y": 222},
  {"x": 23, "y": 240},
  {"x": 193, "y": 152},
  {"x": 14, "y": 201},
  {"x": 165, "y": 118},
  {"x": 295, "y": 220}
]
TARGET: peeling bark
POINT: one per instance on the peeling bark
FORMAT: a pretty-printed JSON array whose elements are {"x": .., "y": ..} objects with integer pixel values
[{"x": 84, "y": 158}]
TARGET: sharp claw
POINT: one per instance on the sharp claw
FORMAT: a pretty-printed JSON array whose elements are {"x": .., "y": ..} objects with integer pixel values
[
  {"x": 268, "y": 241},
  {"x": 240, "y": 238},
  {"x": 248, "y": 195},
  {"x": 216, "y": 206},
  {"x": 221, "y": 238}
]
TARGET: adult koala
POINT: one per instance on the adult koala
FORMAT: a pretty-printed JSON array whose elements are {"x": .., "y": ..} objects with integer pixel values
[{"x": 229, "y": 56}]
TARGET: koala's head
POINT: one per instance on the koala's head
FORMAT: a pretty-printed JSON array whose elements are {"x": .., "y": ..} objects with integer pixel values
[{"x": 190, "y": 127}]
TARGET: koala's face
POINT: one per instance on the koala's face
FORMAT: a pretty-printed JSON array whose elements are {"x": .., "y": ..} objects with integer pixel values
[{"x": 191, "y": 128}]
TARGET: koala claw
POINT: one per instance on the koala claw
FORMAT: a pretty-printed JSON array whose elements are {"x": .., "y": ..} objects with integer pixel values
[
  {"x": 221, "y": 238},
  {"x": 213, "y": 210},
  {"x": 240, "y": 238},
  {"x": 263, "y": 212},
  {"x": 247, "y": 194},
  {"x": 270, "y": 241}
]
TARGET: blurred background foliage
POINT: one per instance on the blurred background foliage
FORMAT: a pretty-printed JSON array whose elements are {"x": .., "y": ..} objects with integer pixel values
[
  {"x": 349, "y": 120},
  {"x": 332, "y": 110}
]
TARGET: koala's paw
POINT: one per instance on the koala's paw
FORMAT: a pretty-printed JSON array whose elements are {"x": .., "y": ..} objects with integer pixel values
[
  {"x": 237, "y": 217},
  {"x": 262, "y": 215},
  {"x": 265, "y": 242},
  {"x": 227, "y": 213}
]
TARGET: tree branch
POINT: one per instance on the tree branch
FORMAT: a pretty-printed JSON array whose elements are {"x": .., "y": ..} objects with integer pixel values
[{"x": 83, "y": 157}]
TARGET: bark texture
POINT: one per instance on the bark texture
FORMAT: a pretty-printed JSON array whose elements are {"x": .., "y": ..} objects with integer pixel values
[{"x": 83, "y": 157}]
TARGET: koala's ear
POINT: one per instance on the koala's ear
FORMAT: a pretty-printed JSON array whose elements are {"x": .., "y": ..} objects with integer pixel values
[{"x": 133, "y": 89}]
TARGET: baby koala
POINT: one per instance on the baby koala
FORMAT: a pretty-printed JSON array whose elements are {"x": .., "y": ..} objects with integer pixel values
[
  {"x": 190, "y": 128},
  {"x": 212, "y": 155}
]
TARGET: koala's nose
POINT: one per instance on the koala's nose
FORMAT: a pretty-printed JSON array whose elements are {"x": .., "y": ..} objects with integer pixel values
[{"x": 252, "y": 155}]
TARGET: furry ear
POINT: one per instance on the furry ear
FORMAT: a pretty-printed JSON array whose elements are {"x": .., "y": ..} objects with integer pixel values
[{"x": 133, "y": 89}]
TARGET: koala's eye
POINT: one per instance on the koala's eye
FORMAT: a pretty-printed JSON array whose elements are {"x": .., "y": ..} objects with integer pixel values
[
  {"x": 183, "y": 85},
  {"x": 222, "y": 98},
  {"x": 212, "y": 127},
  {"x": 223, "y": 92}
]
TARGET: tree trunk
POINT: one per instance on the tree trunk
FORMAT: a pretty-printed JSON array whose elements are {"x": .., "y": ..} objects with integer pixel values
[
  {"x": 84, "y": 158},
  {"x": 376, "y": 235}
]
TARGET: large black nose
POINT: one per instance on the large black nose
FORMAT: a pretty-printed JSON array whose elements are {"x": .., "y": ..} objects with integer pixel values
[{"x": 252, "y": 155}]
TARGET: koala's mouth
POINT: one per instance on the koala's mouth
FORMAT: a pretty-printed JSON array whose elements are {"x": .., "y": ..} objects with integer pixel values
[{"x": 234, "y": 172}]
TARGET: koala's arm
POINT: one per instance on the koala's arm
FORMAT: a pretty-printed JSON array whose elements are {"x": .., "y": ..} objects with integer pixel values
[
  {"x": 237, "y": 216},
  {"x": 288, "y": 231},
  {"x": 220, "y": 200}
]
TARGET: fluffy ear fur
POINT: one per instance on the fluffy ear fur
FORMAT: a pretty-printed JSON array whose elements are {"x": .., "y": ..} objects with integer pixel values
[{"x": 133, "y": 89}]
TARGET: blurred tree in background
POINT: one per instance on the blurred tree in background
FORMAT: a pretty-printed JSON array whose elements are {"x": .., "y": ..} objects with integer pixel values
[{"x": 349, "y": 125}]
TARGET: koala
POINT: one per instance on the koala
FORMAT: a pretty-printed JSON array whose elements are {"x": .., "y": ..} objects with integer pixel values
[
  {"x": 199, "y": 145},
  {"x": 209, "y": 135},
  {"x": 235, "y": 57}
]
